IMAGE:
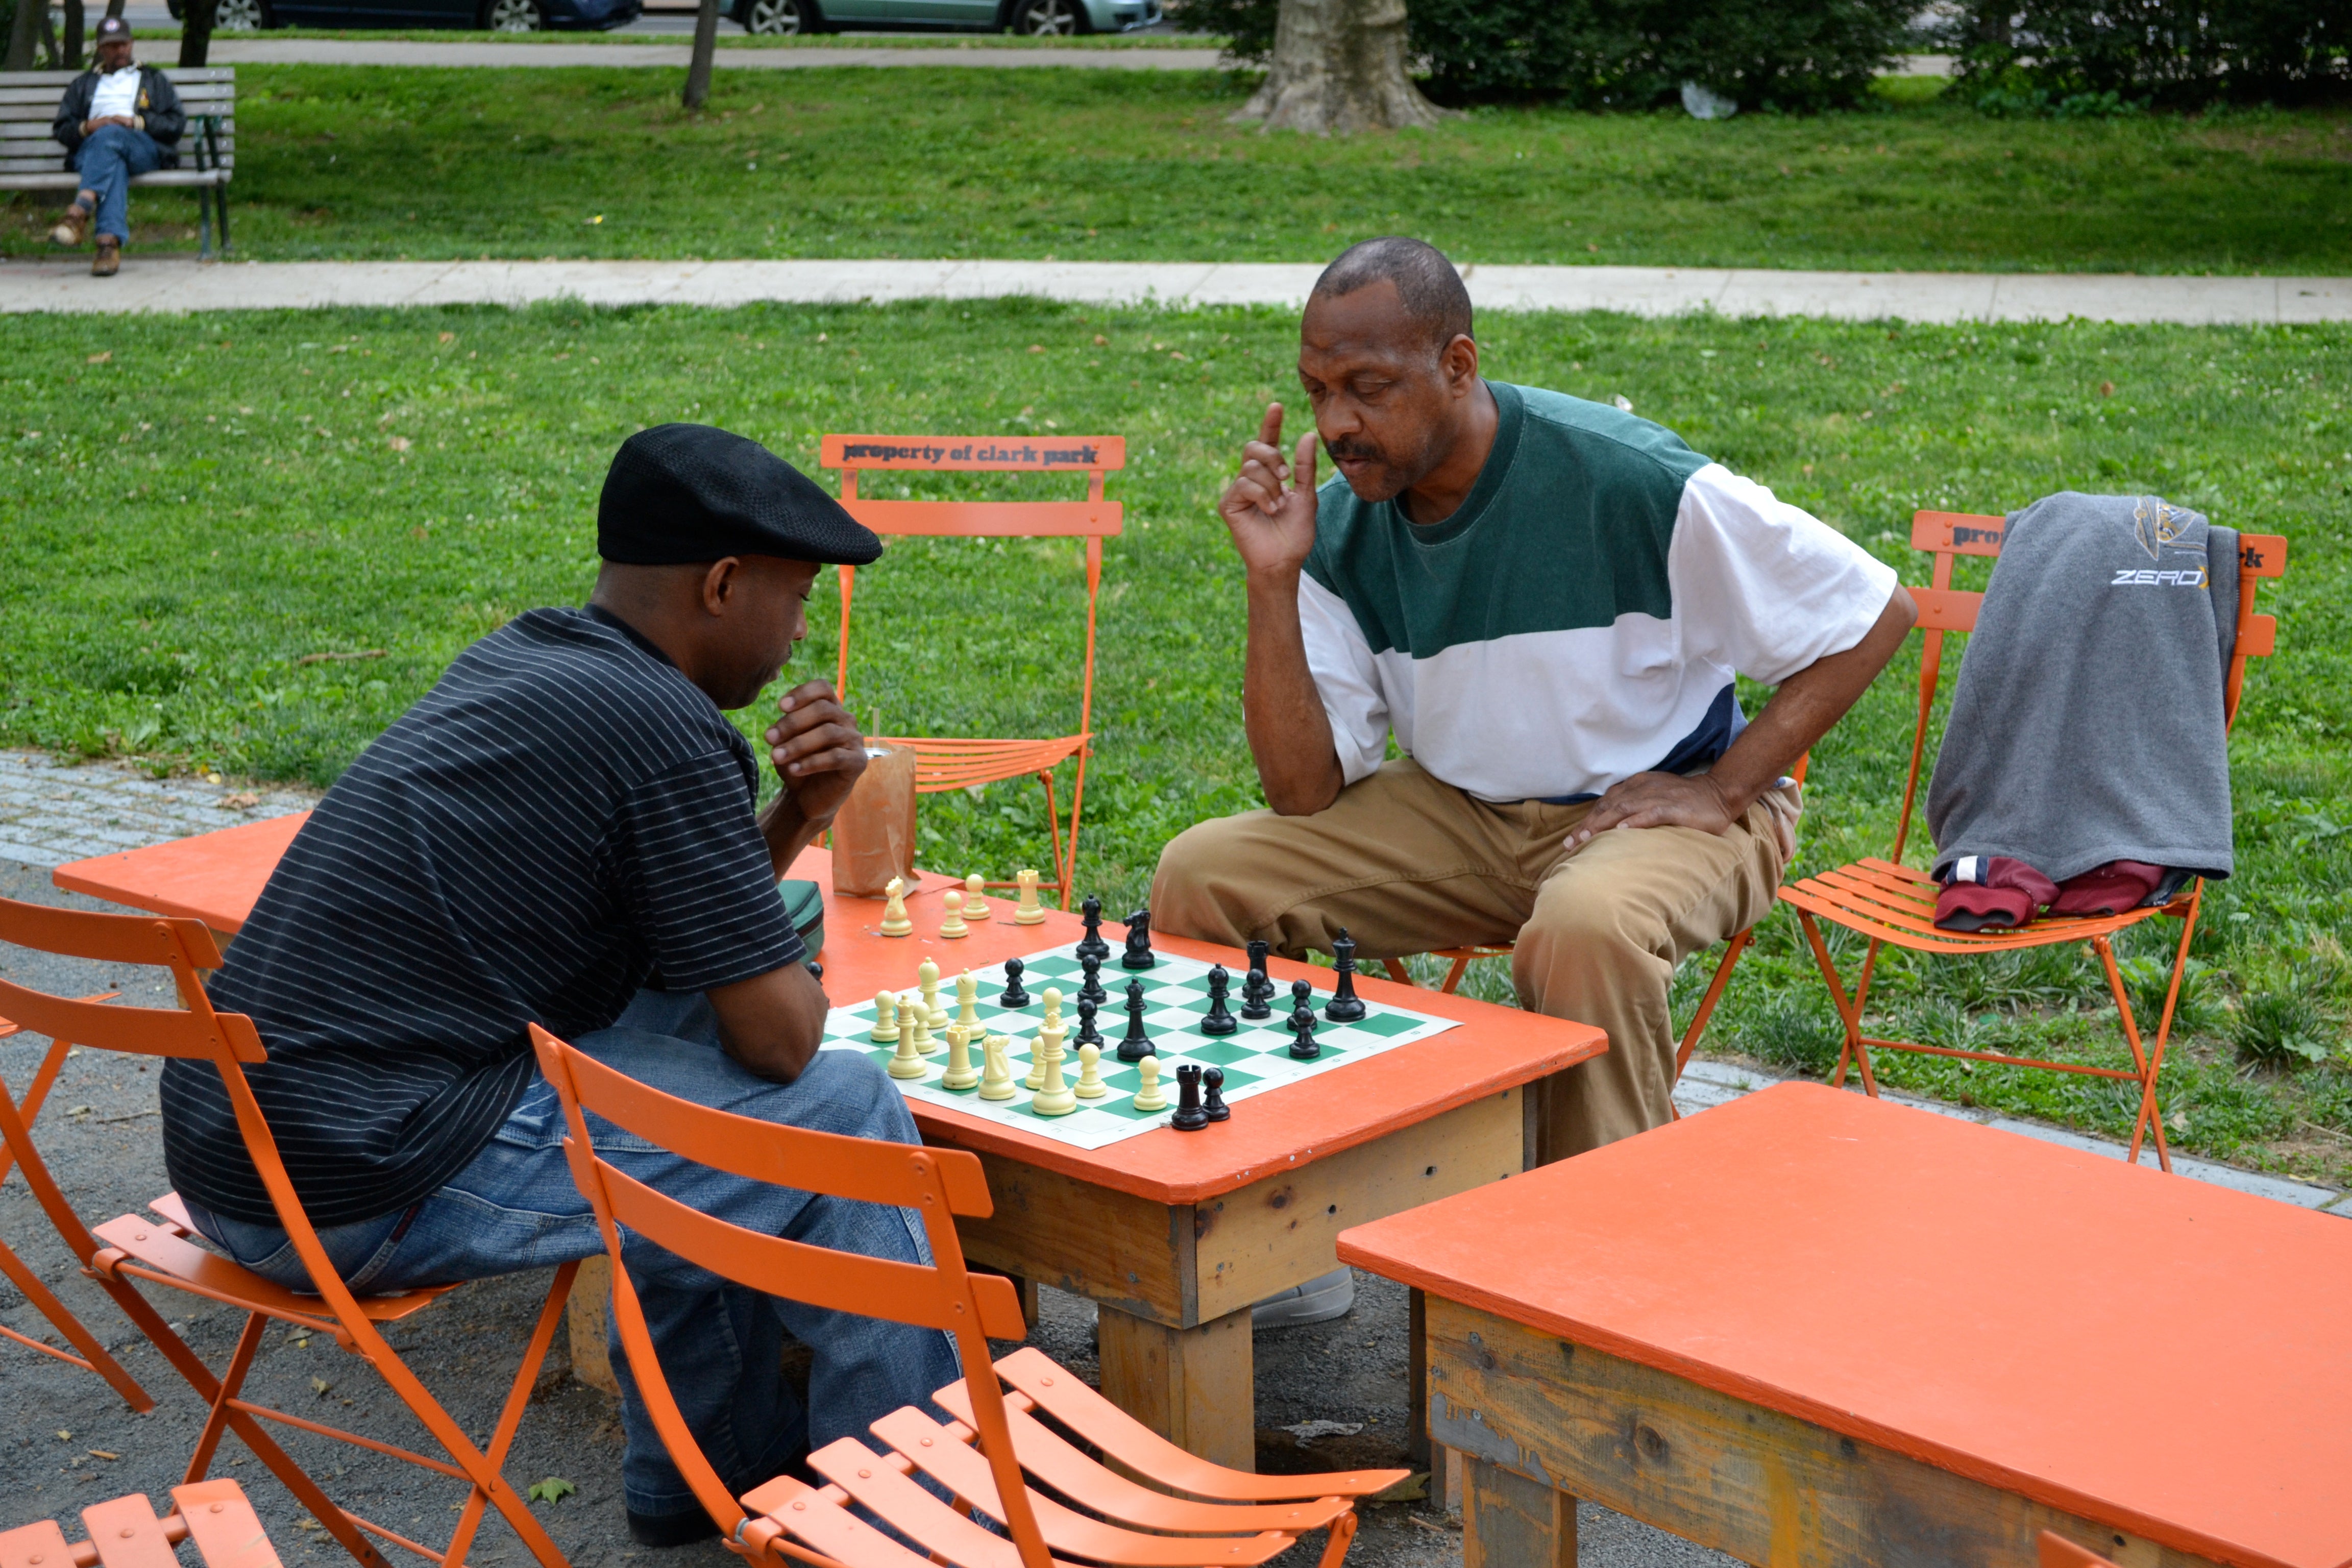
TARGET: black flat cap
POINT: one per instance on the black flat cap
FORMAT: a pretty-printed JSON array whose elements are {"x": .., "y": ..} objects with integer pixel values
[{"x": 679, "y": 494}]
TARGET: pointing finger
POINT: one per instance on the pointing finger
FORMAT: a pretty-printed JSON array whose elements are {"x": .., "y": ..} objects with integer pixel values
[
  {"x": 1302, "y": 462},
  {"x": 1269, "y": 429}
]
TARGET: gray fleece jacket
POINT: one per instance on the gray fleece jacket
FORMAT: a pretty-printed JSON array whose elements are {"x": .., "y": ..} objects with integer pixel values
[{"x": 2087, "y": 722}]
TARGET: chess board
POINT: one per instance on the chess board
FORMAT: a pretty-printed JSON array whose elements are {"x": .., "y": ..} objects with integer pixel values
[{"x": 1256, "y": 1057}]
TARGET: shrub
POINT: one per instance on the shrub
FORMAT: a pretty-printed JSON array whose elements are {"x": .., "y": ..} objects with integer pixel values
[
  {"x": 2281, "y": 1028},
  {"x": 2175, "y": 52},
  {"x": 1632, "y": 54}
]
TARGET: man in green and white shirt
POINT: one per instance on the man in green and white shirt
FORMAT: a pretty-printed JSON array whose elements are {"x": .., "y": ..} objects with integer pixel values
[{"x": 1545, "y": 601}]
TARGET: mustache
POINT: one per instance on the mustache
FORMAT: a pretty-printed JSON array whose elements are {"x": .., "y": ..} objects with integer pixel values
[{"x": 1354, "y": 446}]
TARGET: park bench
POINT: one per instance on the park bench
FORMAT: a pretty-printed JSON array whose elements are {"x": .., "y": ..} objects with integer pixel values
[{"x": 31, "y": 161}]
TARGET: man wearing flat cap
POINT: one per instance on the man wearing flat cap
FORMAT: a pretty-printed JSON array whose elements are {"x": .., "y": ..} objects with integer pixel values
[{"x": 563, "y": 832}]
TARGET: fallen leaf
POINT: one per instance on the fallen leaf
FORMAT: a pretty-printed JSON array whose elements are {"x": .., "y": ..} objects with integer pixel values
[
  {"x": 101, "y": 358},
  {"x": 242, "y": 800},
  {"x": 551, "y": 1490},
  {"x": 64, "y": 1435},
  {"x": 320, "y": 1384},
  {"x": 402, "y": 443},
  {"x": 448, "y": 337},
  {"x": 2107, "y": 389},
  {"x": 102, "y": 1454},
  {"x": 1036, "y": 348}
]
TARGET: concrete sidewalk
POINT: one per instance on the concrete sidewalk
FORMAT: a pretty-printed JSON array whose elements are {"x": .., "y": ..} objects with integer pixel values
[
  {"x": 405, "y": 52},
  {"x": 179, "y": 284}
]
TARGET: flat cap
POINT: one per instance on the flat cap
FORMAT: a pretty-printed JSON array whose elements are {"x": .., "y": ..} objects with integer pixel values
[{"x": 679, "y": 494}]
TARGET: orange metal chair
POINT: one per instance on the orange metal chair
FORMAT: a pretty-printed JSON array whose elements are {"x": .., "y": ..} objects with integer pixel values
[
  {"x": 2057, "y": 1552},
  {"x": 93, "y": 1357},
  {"x": 981, "y": 1453},
  {"x": 125, "y": 1533},
  {"x": 132, "y": 1249},
  {"x": 942, "y": 763},
  {"x": 1891, "y": 903}
]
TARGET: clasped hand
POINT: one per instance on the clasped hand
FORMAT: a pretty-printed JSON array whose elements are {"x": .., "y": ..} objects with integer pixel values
[{"x": 816, "y": 749}]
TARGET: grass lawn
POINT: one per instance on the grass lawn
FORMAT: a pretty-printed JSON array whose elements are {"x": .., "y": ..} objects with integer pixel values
[
  {"x": 190, "y": 509},
  {"x": 379, "y": 162}
]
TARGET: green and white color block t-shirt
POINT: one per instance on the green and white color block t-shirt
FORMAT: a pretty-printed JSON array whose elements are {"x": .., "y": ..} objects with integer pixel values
[{"x": 1580, "y": 618}]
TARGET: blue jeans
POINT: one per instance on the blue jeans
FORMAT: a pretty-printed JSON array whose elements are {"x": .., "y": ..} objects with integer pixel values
[
  {"x": 108, "y": 159},
  {"x": 515, "y": 1207}
]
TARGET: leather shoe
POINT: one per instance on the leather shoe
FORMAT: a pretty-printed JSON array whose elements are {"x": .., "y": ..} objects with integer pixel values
[
  {"x": 109, "y": 260},
  {"x": 72, "y": 223}
]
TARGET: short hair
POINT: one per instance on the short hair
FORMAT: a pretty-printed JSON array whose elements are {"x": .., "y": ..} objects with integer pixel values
[{"x": 1434, "y": 299}]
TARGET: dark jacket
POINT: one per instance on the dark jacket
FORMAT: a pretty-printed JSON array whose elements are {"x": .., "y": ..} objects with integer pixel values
[{"x": 158, "y": 104}]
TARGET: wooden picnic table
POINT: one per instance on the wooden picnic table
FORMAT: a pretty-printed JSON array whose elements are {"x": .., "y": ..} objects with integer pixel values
[
  {"x": 1811, "y": 1327},
  {"x": 1175, "y": 1236}
]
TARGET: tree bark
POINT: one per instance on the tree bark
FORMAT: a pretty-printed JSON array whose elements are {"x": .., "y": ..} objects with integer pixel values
[
  {"x": 24, "y": 35},
  {"x": 197, "y": 31},
  {"x": 73, "y": 35},
  {"x": 706, "y": 43},
  {"x": 1338, "y": 69}
]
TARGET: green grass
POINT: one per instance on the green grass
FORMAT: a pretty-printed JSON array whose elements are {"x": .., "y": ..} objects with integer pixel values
[
  {"x": 734, "y": 40},
  {"x": 189, "y": 508},
  {"x": 379, "y": 162}
]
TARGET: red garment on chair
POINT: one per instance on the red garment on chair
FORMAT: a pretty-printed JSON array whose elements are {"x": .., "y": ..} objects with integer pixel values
[
  {"x": 1981, "y": 892},
  {"x": 2107, "y": 889}
]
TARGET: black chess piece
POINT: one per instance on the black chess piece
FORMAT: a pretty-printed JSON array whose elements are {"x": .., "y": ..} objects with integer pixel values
[
  {"x": 1302, "y": 1023},
  {"x": 1218, "y": 1020},
  {"x": 1259, "y": 951},
  {"x": 1345, "y": 1006},
  {"x": 1092, "y": 945},
  {"x": 1087, "y": 1034},
  {"x": 1188, "y": 1117},
  {"x": 1256, "y": 989},
  {"x": 1013, "y": 995},
  {"x": 1138, "y": 1045},
  {"x": 1138, "y": 955},
  {"x": 1090, "y": 985},
  {"x": 1213, "y": 1107}
]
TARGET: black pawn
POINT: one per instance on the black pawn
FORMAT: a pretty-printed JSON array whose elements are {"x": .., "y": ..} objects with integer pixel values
[
  {"x": 1217, "y": 1020},
  {"x": 1013, "y": 995},
  {"x": 1092, "y": 945},
  {"x": 1138, "y": 1045},
  {"x": 1302, "y": 1029},
  {"x": 1345, "y": 1006},
  {"x": 1090, "y": 985},
  {"x": 1138, "y": 955},
  {"x": 1214, "y": 1107},
  {"x": 1256, "y": 989},
  {"x": 1087, "y": 1034},
  {"x": 1188, "y": 1117}
]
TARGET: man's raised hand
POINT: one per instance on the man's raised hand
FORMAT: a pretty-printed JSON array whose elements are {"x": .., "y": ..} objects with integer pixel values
[
  {"x": 1270, "y": 506},
  {"x": 816, "y": 748}
]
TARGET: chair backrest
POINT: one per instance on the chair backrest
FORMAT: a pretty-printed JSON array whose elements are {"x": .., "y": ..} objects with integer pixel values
[
  {"x": 28, "y": 101},
  {"x": 936, "y": 1185},
  {"x": 1944, "y": 609},
  {"x": 1093, "y": 519}
]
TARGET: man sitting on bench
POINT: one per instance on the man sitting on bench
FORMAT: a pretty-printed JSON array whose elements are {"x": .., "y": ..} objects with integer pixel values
[
  {"x": 116, "y": 122},
  {"x": 561, "y": 832}
]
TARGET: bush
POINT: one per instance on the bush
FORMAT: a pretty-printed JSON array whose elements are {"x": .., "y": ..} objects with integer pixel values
[
  {"x": 2178, "y": 53},
  {"x": 1796, "y": 55}
]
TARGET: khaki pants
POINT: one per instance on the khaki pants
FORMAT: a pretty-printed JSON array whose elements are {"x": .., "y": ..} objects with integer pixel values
[{"x": 1406, "y": 863}]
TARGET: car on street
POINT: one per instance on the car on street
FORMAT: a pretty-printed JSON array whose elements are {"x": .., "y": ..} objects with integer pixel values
[
  {"x": 1040, "y": 19},
  {"x": 494, "y": 15}
]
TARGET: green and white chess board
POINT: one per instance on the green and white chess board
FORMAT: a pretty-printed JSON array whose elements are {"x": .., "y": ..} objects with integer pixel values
[{"x": 1256, "y": 1057}]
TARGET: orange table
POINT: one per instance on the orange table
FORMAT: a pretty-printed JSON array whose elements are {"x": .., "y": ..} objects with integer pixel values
[
  {"x": 1175, "y": 1235},
  {"x": 1811, "y": 1327}
]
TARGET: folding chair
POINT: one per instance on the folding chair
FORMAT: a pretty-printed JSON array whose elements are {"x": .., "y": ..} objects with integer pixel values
[
  {"x": 980, "y": 1454},
  {"x": 132, "y": 1249},
  {"x": 125, "y": 1533},
  {"x": 943, "y": 764},
  {"x": 93, "y": 1357},
  {"x": 2057, "y": 1552},
  {"x": 1891, "y": 903}
]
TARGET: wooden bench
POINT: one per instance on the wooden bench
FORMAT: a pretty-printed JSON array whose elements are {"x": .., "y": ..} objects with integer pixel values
[{"x": 31, "y": 161}]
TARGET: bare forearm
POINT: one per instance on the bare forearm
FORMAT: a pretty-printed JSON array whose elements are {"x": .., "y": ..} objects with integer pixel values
[
  {"x": 1807, "y": 704},
  {"x": 771, "y": 1023},
  {"x": 1289, "y": 735}
]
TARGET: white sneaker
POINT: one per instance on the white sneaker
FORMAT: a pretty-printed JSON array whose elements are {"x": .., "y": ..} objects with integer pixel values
[{"x": 1320, "y": 1300}]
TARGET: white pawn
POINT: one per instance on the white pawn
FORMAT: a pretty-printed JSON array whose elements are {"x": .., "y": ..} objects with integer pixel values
[
  {"x": 953, "y": 927},
  {"x": 960, "y": 1073},
  {"x": 975, "y": 897},
  {"x": 997, "y": 1078},
  {"x": 906, "y": 1061},
  {"x": 1150, "y": 1097},
  {"x": 1091, "y": 1078},
  {"x": 927, "y": 976},
  {"x": 1028, "y": 911},
  {"x": 1056, "y": 1098},
  {"x": 968, "y": 1003},
  {"x": 885, "y": 1019},
  {"x": 916, "y": 1039},
  {"x": 893, "y": 913}
]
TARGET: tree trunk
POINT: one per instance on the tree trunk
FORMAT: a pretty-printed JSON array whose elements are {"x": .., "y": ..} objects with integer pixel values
[
  {"x": 706, "y": 43},
  {"x": 24, "y": 35},
  {"x": 73, "y": 35},
  {"x": 1338, "y": 66},
  {"x": 197, "y": 31}
]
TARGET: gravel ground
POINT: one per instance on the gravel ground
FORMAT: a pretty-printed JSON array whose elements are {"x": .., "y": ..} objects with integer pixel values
[{"x": 66, "y": 1441}]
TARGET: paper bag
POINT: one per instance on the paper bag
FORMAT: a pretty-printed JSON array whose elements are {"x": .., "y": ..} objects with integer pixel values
[{"x": 874, "y": 832}]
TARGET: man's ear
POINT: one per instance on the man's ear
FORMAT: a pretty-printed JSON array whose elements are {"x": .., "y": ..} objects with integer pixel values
[
  {"x": 718, "y": 584},
  {"x": 1460, "y": 361}
]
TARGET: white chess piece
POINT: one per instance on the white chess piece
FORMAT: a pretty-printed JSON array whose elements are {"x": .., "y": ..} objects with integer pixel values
[
  {"x": 917, "y": 1037},
  {"x": 893, "y": 913},
  {"x": 885, "y": 1019},
  {"x": 975, "y": 897},
  {"x": 960, "y": 1073},
  {"x": 1056, "y": 1098},
  {"x": 968, "y": 1003},
  {"x": 1028, "y": 911},
  {"x": 928, "y": 977},
  {"x": 907, "y": 1062},
  {"x": 1091, "y": 1078},
  {"x": 952, "y": 926},
  {"x": 1151, "y": 1097},
  {"x": 996, "y": 1079},
  {"x": 1049, "y": 1041}
]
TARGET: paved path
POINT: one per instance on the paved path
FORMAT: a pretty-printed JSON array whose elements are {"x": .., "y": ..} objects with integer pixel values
[
  {"x": 387, "y": 52},
  {"x": 50, "y": 812},
  {"x": 175, "y": 284}
]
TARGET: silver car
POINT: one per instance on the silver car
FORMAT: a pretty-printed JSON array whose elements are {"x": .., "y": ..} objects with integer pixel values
[{"x": 1037, "y": 17}]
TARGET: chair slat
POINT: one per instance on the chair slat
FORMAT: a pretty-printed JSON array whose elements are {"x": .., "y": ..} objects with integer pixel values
[
  {"x": 127, "y": 1534},
  {"x": 1961, "y": 533},
  {"x": 975, "y": 454},
  {"x": 817, "y": 1519},
  {"x": 221, "y": 1523},
  {"x": 40, "y": 1545},
  {"x": 1946, "y": 609},
  {"x": 2261, "y": 554},
  {"x": 167, "y": 1251},
  {"x": 989, "y": 519},
  {"x": 882, "y": 1489}
]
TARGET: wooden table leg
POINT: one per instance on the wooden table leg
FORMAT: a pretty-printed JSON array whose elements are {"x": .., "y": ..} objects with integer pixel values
[
  {"x": 591, "y": 1294},
  {"x": 1511, "y": 1521},
  {"x": 1194, "y": 1386}
]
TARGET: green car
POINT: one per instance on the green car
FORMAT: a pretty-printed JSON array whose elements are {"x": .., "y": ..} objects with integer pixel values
[{"x": 1040, "y": 17}]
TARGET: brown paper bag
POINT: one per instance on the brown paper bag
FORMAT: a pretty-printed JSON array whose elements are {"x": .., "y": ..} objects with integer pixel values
[{"x": 874, "y": 832}]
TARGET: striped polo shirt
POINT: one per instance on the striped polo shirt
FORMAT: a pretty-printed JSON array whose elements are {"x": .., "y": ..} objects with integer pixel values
[
  {"x": 1580, "y": 617},
  {"x": 562, "y": 817}
]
